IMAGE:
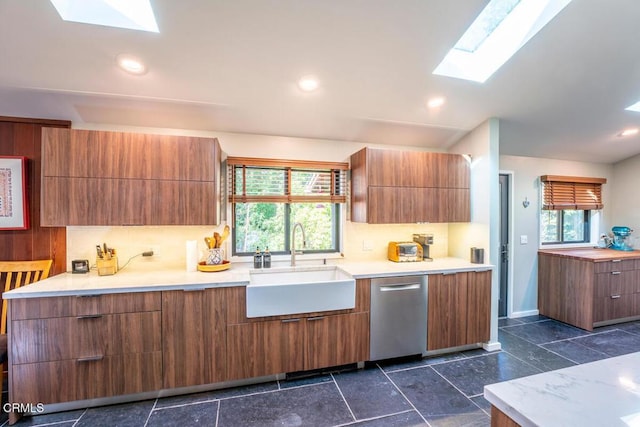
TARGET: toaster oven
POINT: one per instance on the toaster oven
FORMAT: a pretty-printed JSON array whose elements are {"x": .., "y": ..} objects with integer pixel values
[{"x": 405, "y": 251}]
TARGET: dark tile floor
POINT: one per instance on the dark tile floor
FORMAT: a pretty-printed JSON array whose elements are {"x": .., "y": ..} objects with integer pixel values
[{"x": 438, "y": 391}]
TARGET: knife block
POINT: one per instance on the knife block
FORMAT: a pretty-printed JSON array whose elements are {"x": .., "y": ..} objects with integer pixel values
[{"x": 107, "y": 267}]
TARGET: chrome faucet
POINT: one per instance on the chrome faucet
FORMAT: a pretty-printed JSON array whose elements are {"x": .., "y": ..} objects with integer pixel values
[{"x": 293, "y": 242}]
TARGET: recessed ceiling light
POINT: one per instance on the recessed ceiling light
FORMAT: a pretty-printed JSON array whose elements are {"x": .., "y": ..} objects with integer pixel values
[
  {"x": 308, "y": 83},
  {"x": 131, "y": 64},
  {"x": 501, "y": 29},
  {"x": 628, "y": 132},
  {"x": 435, "y": 102},
  {"x": 131, "y": 14}
]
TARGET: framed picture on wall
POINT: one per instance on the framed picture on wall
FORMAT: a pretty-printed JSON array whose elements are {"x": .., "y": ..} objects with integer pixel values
[{"x": 14, "y": 211}]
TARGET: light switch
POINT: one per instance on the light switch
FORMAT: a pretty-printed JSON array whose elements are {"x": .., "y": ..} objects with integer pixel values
[
  {"x": 524, "y": 239},
  {"x": 367, "y": 245}
]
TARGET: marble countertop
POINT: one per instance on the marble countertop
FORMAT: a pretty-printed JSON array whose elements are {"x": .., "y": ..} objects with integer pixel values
[
  {"x": 602, "y": 393},
  {"x": 237, "y": 275}
]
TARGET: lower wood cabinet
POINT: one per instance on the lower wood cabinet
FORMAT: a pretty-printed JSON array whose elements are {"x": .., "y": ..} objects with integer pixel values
[
  {"x": 459, "y": 309},
  {"x": 265, "y": 348},
  {"x": 336, "y": 340},
  {"x": 268, "y": 346},
  {"x": 94, "y": 348},
  {"x": 588, "y": 288},
  {"x": 194, "y": 337}
]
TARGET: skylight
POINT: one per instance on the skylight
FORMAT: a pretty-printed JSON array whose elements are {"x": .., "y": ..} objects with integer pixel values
[
  {"x": 635, "y": 107},
  {"x": 131, "y": 14},
  {"x": 501, "y": 29}
]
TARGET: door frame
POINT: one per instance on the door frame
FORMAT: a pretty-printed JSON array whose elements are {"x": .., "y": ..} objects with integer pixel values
[{"x": 511, "y": 176}]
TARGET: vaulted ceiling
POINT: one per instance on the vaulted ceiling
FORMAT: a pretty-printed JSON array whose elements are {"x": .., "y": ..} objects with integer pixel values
[{"x": 232, "y": 65}]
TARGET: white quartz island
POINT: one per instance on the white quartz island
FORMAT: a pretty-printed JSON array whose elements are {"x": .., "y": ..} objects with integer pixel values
[{"x": 602, "y": 393}]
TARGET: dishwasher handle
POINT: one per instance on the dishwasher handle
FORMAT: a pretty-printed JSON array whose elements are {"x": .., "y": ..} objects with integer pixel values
[{"x": 392, "y": 288}]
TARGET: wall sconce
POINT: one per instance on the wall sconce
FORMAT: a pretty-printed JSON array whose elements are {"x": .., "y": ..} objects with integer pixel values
[{"x": 526, "y": 203}]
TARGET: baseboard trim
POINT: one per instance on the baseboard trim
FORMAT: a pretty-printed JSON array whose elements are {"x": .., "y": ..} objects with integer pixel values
[
  {"x": 517, "y": 314},
  {"x": 492, "y": 346}
]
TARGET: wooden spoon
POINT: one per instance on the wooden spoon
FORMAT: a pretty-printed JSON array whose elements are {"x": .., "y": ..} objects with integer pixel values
[
  {"x": 207, "y": 240},
  {"x": 217, "y": 239},
  {"x": 225, "y": 233}
]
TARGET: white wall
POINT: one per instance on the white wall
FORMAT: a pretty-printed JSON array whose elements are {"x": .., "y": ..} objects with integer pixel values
[
  {"x": 625, "y": 200},
  {"x": 482, "y": 144},
  {"x": 169, "y": 242},
  {"x": 524, "y": 259}
]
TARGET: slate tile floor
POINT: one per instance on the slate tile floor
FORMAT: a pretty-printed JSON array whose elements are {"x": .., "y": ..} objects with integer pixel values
[{"x": 438, "y": 391}]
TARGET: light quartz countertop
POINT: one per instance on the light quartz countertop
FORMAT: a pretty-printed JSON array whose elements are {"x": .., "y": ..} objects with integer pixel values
[
  {"x": 602, "y": 393},
  {"x": 131, "y": 280}
]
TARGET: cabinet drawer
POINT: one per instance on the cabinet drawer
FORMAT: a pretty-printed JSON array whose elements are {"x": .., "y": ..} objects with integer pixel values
[
  {"x": 41, "y": 308},
  {"x": 615, "y": 265},
  {"x": 616, "y": 307},
  {"x": 118, "y": 303},
  {"x": 43, "y": 340},
  {"x": 68, "y": 380},
  {"x": 616, "y": 283}
]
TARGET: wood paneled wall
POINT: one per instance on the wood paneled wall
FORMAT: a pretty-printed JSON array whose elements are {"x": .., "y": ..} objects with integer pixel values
[{"x": 21, "y": 137}]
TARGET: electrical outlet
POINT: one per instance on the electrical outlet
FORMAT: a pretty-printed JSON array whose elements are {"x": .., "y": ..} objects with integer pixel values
[
  {"x": 156, "y": 251},
  {"x": 367, "y": 245},
  {"x": 524, "y": 239}
]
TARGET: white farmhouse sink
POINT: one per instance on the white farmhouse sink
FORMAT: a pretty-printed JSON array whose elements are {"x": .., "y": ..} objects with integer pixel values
[{"x": 280, "y": 291}]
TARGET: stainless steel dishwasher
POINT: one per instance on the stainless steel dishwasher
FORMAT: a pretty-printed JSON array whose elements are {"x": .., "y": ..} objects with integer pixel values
[{"x": 398, "y": 317}]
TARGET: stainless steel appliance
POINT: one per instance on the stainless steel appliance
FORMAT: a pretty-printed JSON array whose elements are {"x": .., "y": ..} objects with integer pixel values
[
  {"x": 398, "y": 317},
  {"x": 425, "y": 240}
]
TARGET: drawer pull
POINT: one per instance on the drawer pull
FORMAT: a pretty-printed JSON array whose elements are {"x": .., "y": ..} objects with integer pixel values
[
  {"x": 290, "y": 320},
  {"x": 89, "y": 316},
  {"x": 616, "y": 260},
  {"x": 615, "y": 273},
  {"x": 615, "y": 296},
  {"x": 89, "y": 296},
  {"x": 90, "y": 359},
  {"x": 193, "y": 289},
  {"x": 315, "y": 318}
]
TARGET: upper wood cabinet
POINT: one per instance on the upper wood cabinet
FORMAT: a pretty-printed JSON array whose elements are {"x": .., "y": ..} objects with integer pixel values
[
  {"x": 390, "y": 186},
  {"x": 115, "y": 178}
]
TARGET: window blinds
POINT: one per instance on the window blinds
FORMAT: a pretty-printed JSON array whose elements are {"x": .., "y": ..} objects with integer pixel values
[
  {"x": 571, "y": 192},
  {"x": 286, "y": 181}
]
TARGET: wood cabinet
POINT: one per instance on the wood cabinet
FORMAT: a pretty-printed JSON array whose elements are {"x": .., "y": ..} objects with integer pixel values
[
  {"x": 76, "y": 348},
  {"x": 115, "y": 178},
  {"x": 589, "y": 287},
  {"x": 391, "y": 186},
  {"x": 280, "y": 344},
  {"x": 459, "y": 309},
  {"x": 194, "y": 337}
]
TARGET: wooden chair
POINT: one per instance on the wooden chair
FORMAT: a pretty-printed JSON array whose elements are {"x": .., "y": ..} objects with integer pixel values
[{"x": 15, "y": 274}]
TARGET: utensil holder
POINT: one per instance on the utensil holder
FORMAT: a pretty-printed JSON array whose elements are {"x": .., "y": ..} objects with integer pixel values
[
  {"x": 214, "y": 256},
  {"x": 107, "y": 267},
  {"x": 477, "y": 256}
]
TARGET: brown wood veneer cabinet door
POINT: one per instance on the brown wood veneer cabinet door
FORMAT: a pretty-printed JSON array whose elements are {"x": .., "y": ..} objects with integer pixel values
[
  {"x": 336, "y": 340},
  {"x": 397, "y": 187},
  {"x": 115, "y": 178},
  {"x": 447, "y": 311},
  {"x": 265, "y": 348},
  {"x": 194, "y": 337},
  {"x": 478, "y": 307}
]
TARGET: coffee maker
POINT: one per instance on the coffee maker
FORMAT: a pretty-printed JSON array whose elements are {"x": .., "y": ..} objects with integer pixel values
[{"x": 424, "y": 240}]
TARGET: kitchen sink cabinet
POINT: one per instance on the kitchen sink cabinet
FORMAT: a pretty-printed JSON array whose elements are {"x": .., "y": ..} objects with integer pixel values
[
  {"x": 279, "y": 344},
  {"x": 589, "y": 287},
  {"x": 459, "y": 309},
  {"x": 77, "y": 348},
  {"x": 115, "y": 178},
  {"x": 390, "y": 186},
  {"x": 194, "y": 337}
]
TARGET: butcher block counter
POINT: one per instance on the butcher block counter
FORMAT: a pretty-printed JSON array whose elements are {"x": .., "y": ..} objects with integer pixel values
[{"x": 589, "y": 287}]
